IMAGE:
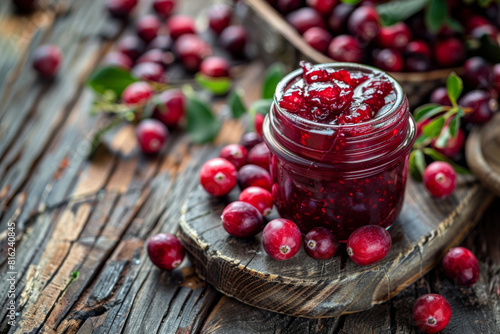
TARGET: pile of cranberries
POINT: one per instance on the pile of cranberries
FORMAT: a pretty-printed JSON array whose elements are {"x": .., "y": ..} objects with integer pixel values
[{"x": 354, "y": 33}]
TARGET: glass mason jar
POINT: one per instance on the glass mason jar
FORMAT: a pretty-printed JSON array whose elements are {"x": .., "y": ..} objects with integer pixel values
[{"x": 340, "y": 177}]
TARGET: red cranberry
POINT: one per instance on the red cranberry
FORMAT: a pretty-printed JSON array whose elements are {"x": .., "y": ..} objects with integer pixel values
[
  {"x": 150, "y": 72},
  {"x": 477, "y": 72},
  {"x": 147, "y": 27},
  {"x": 219, "y": 17},
  {"x": 453, "y": 145},
  {"x": 440, "y": 96},
  {"x": 439, "y": 179},
  {"x": 161, "y": 42},
  {"x": 449, "y": 52},
  {"x": 364, "y": 22},
  {"x": 218, "y": 176},
  {"x": 179, "y": 25},
  {"x": 418, "y": 56},
  {"x": 389, "y": 60},
  {"x": 287, "y": 6},
  {"x": 191, "y": 50},
  {"x": 164, "y": 7},
  {"x": 461, "y": 266},
  {"x": 482, "y": 104},
  {"x": 292, "y": 100},
  {"x": 25, "y": 6},
  {"x": 171, "y": 107},
  {"x": 118, "y": 59},
  {"x": 281, "y": 239},
  {"x": 120, "y": 8},
  {"x": 431, "y": 313},
  {"x": 157, "y": 56},
  {"x": 304, "y": 19},
  {"x": 234, "y": 39},
  {"x": 368, "y": 244},
  {"x": 475, "y": 20},
  {"x": 488, "y": 30},
  {"x": 151, "y": 135},
  {"x": 260, "y": 156},
  {"x": 496, "y": 77},
  {"x": 345, "y": 48},
  {"x": 396, "y": 36},
  {"x": 137, "y": 93},
  {"x": 323, "y": 7},
  {"x": 338, "y": 19},
  {"x": 258, "y": 121},
  {"x": 260, "y": 198},
  {"x": 46, "y": 60},
  {"x": 242, "y": 220},
  {"x": 165, "y": 251},
  {"x": 320, "y": 244},
  {"x": 235, "y": 154},
  {"x": 250, "y": 139},
  {"x": 131, "y": 46},
  {"x": 215, "y": 67},
  {"x": 252, "y": 175},
  {"x": 318, "y": 38}
]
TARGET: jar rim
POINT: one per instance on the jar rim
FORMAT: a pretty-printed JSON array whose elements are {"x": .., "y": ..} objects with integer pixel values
[{"x": 280, "y": 90}]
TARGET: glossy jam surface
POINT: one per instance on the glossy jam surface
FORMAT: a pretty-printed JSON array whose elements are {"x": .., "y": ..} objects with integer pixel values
[{"x": 331, "y": 168}]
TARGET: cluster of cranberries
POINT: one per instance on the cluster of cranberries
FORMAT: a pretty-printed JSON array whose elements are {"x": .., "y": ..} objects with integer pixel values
[{"x": 353, "y": 33}]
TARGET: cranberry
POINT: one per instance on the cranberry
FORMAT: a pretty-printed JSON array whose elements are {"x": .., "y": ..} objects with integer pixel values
[
  {"x": 357, "y": 112},
  {"x": 375, "y": 91},
  {"x": 440, "y": 96},
  {"x": 449, "y": 52},
  {"x": 304, "y": 19},
  {"x": 345, "y": 48},
  {"x": 453, "y": 145},
  {"x": 482, "y": 104},
  {"x": 252, "y": 175},
  {"x": 150, "y": 72},
  {"x": 281, "y": 239},
  {"x": 137, "y": 93},
  {"x": 171, "y": 107},
  {"x": 235, "y": 154},
  {"x": 396, "y": 36},
  {"x": 164, "y": 7},
  {"x": 151, "y": 135},
  {"x": 148, "y": 27},
  {"x": 260, "y": 156},
  {"x": 215, "y": 67},
  {"x": 131, "y": 46},
  {"x": 161, "y": 42},
  {"x": 25, "y": 6},
  {"x": 418, "y": 56},
  {"x": 477, "y": 72},
  {"x": 118, "y": 59},
  {"x": 475, "y": 20},
  {"x": 292, "y": 100},
  {"x": 461, "y": 266},
  {"x": 218, "y": 176},
  {"x": 156, "y": 56},
  {"x": 338, "y": 19},
  {"x": 250, "y": 139},
  {"x": 191, "y": 50},
  {"x": 431, "y": 313},
  {"x": 320, "y": 244},
  {"x": 179, "y": 25},
  {"x": 323, "y": 7},
  {"x": 364, "y": 22},
  {"x": 219, "y": 17},
  {"x": 318, "y": 38},
  {"x": 488, "y": 30},
  {"x": 287, "y": 6},
  {"x": 496, "y": 77},
  {"x": 47, "y": 60},
  {"x": 242, "y": 220},
  {"x": 439, "y": 179},
  {"x": 234, "y": 40},
  {"x": 120, "y": 8},
  {"x": 389, "y": 60},
  {"x": 260, "y": 198},
  {"x": 165, "y": 251},
  {"x": 258, "y": 121},
  {"x": 368, "y": 244}
]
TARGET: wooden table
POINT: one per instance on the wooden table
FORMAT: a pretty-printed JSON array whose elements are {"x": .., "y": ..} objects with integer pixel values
[{"x": 90, "y": 219}]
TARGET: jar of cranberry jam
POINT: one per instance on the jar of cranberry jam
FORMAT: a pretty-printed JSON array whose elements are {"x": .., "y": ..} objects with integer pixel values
[{"x": 340, "y": 136}]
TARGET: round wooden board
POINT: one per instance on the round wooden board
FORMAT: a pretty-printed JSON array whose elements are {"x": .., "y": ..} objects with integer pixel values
[{"x": 305, "y": 287}]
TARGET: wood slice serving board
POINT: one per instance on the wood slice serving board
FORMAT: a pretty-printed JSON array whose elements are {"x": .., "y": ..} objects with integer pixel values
[{"x": 305, "y": 287}]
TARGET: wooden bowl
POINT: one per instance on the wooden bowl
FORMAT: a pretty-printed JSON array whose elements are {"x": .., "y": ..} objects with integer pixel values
[{"x": 277, "y": 40}]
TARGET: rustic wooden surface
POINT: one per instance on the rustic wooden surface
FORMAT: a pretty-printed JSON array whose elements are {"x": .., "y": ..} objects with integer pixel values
[{"x": 94, "y": 217}]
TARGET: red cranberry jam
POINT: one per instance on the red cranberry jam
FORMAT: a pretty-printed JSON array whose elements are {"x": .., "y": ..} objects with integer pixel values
[{"x": 340, "y": 136}]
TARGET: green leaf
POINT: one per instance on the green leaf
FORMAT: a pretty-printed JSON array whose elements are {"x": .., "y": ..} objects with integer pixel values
[
  {"x": 454, "y": 25},
  {"x": 435, "y": 155},
  {"x": 455, "y": 122},
  {"x": 443, "y": 138},
  {"x": 392, "y": 12},
  {"x": 426, "y": 111},
  {"x": 218, "y": 86},
  {"x": 110, "y": 78},
  {"x": 433, "y": 129},
  {"x": 236, "y": 104},
  {"x": 351, "y": 2},
  {"x": 202, "y": 125},
  {"x": 454, "y": 86},
  {"x": 436, "y": 15},
  {"x": 488, "y": 49},
  {"x": 417, "y": 165},
  {"x": 273, "y": 76},
  {"x": 261, "y": 106}
]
